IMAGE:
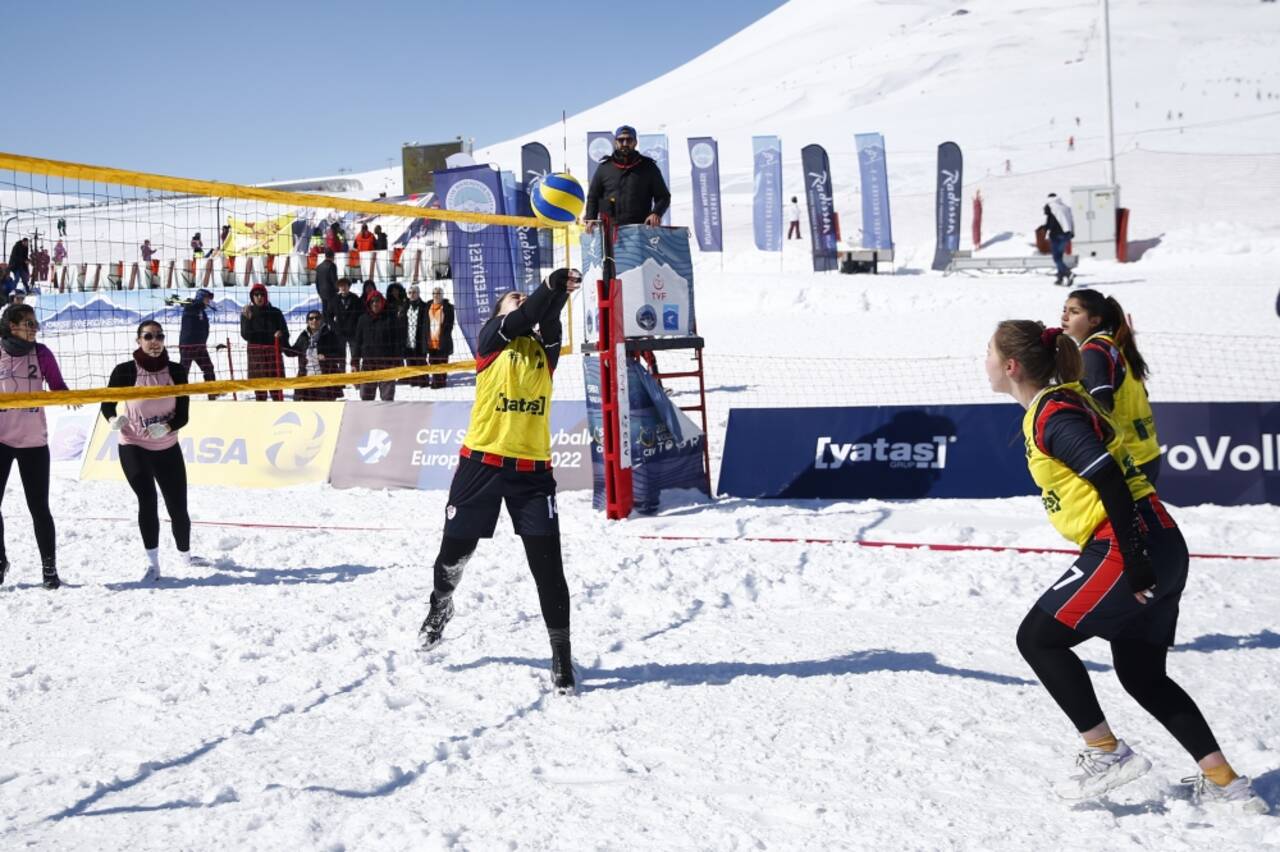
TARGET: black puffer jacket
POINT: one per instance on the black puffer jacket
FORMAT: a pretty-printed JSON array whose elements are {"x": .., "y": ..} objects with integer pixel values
[{"x": 627, "y": 192}]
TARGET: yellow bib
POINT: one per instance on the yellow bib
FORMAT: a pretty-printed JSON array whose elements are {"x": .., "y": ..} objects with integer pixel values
[
  {"x": 512, "y": 412},
  {"x": 1070, "y": 500},
  {"x": 1132, "y": 412}
]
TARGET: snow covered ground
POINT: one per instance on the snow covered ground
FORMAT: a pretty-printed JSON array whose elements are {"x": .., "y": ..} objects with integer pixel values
[{"x": 737, "y": 693}]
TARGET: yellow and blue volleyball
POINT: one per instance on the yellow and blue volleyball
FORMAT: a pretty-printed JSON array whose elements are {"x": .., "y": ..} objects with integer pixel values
[{"x": 558, "y": 199}]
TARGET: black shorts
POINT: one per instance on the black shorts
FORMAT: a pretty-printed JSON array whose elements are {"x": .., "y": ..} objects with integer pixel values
[
  {"x": 1094, "y": 599},
  {"x": 478, "y": 490}
]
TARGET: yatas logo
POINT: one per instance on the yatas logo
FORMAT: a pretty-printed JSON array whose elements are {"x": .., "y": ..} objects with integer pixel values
[
  {"x": 1241, "y": 456},
  {"x": 536, "y": 407},
  {"x": 831, "y": 456}
]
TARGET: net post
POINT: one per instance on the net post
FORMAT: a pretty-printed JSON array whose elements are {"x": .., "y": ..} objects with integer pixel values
[{"x": 614, "y": 400}]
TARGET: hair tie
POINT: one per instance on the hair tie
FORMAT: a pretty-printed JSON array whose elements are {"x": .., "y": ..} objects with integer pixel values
[{"x": 1049, "y": 337}]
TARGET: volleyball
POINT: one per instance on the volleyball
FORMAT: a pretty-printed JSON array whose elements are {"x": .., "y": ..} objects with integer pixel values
[{"x": 557, "y": 199}]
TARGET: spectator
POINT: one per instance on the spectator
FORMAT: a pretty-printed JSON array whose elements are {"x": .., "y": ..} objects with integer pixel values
[
  {"x": 147, "y": 251},
  {"x": 378, "y": 345},
  {"x": 628, "y": 186},
  {"x": 1061, "y": 229},
  {"x": 317, "y": 241},
  {"x": 794, "y": 227},
  {"x": 42, "y": 265},
  {"x": 326, "y": 282},
  {"x": 193, "y": 337},
  {"x": 379, "y": 239},
  {"x": 369, "y": 287},
  {"x": 222, "y": 237},
  {"x": 62, "y": 227},
  {"x": 396, "y": 299},
  {"x": 197, "y": 246},
  {"x": 336, "y": 241},
  {"x": 319, "y": 350},
  {"x": 439, "y": 335},
  {"x": 415, "y": 324},
  {"x": 344, "y": 315},
  {"x": 59, "y": 258},
  {"x": 19, "y": 268},
  {"x": 264, "y": 330},
  {"x": 365, "y": 240}
]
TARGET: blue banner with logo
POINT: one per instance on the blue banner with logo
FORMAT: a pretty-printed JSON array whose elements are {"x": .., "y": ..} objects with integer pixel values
[
  {"x": 821, "y": 202},
  {"x": 654, "y": 146},
  {"x": 479, "y": 255},
  {"x": 666, "y": 446},
  {"x": 535, "y": 164},
  {"x": 1225, "y": 453},
  {"x": 947, "y": 203},
  {"x": 704, "y": 159},
  {"x": 877, "y": 231},
  {"x": 599, "y": 146},
  {"x": 523, "y": 241},
  {"x": 766, "y": 196}
]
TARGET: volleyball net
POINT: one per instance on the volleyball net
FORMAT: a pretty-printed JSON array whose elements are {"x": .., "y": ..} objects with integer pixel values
[{"x": 96, "y": 251}]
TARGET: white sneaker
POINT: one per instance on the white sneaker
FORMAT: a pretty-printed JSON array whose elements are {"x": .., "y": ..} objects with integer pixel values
[
  {"x": 151, "y": 575},
  {"x": 1238, "y": 795},
  {"x": 1101, "y": 771}
]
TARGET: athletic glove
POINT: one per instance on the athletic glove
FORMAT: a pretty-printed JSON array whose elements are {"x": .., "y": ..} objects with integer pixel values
[
  {"x": 1138, "y": 570},
  {"x": 117, "y": 423},
  {"x": 158, "y": 430}
]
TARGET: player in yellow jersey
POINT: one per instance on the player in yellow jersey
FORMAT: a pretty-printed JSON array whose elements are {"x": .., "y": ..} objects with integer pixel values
[
  {"x": 507, "y": 458},
  {"x": 1115, "y": 373},
  {"x": 1126, "y": 584}
]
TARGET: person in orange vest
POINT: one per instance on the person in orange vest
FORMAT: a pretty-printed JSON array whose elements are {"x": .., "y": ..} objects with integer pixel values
[{"x": 365, "y": 241}]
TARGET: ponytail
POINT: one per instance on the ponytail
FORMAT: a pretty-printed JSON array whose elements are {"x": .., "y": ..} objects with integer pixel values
[
  {"x": 1113, "y": 319},
  {"x": 1046, "y": 354}
]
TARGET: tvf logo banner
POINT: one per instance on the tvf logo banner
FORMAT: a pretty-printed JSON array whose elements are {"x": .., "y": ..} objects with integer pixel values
[{"x": 241, "y": 444}]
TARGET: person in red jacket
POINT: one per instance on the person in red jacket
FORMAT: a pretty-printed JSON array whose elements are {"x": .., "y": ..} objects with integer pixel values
[{"x": 365, "y": 241}]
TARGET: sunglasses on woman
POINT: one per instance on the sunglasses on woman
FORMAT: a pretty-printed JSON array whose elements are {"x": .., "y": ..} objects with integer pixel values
[
  {"x": 152, "y": 335},
  {"x": 31, "y": 324}
]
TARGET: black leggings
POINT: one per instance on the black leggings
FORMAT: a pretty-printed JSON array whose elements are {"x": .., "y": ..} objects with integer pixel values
[
  {"x": 1046, "y": 645},
  {"x": 33, "y": 467},
  {"x": 145, "y": 469},
  {"x": 545, "y": 563}
]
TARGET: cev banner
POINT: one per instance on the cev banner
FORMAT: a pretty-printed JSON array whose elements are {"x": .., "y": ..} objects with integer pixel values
[{"x": 241, "y": 444}]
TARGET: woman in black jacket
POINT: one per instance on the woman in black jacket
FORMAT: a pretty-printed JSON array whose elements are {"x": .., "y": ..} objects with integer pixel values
[
  {"x": 378, "y": 345},
  {"x": 319, "y": 350}
]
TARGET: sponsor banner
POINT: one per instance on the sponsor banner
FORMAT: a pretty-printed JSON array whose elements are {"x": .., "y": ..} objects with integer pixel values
[
  {"x": 947, "y": 203},
  {"x": 665, "y": 450},
  {"x": 821, "y": 203},
  {"x": 1226, "y": 453},
  {"x": 704, "y": 157},
  {"x": 416, "y": 445},
  {"x": 535, "y": 164},
  {"x": 60, "y": 313},
  {"x": 599, "y": 146},
  {"x": 479, "y": 255},
  {"x": 655, "y": 266},
  {"x": 248, "y": 446},
  {"x": 654, "y": 146},
  {"x": 260, "y": 236},
  {"x": 877, "y": 231},
  {"x": 766, "y": 210},
  {"x": 523, "y": 241}
]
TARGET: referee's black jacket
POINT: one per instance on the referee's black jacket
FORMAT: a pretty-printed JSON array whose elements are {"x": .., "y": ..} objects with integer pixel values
[{"x": 627, "y": 192}]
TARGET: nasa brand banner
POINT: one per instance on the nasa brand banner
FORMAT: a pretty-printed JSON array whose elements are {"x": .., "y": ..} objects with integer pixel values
[
  {"x": 666, "y": 446},
  {"x": 655, "y": 266},
  {"x": 523, "y": 242},
  {"x": 234, "y": 443},
  {"x": 704, "y": 158},
  {"x": 877, "y": 232},
  {"x": 599, "y": 146},
  {"x": 535, "y": 164},
  {"x": 766, "y": 206},
  {"x": 654, "y": 146},
  {"x": 1227, "y": 453},
  {"x": 416, "y": 445},
  {"x": 818, "y": 195},
  {"x": 947, "y": 203},
  {"x": 479, "y": 255}
]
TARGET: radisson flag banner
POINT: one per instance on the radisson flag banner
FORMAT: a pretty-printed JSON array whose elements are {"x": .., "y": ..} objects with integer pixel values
[
  {"x": 947, "y": 203},
  {"x": 817, "y": 189}
]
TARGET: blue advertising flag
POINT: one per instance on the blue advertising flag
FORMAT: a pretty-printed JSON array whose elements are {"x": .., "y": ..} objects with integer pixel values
[
  {"x": 599, "y": 146},
  {"x": 535, "y": 164},
  {"x": 818, "y": 194},
  {"x": 877, "y": 231},
  {"x": 947, "y": 203},
  {"x": 654, "y": 146},
  {"x": 766, "y": 214},
  {"x": 704, "y": 157},
  {"x": 479, "y": 255}
]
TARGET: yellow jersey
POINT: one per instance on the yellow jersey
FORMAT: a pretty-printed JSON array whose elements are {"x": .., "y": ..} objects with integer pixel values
[
  {"x": 1131, "y": 410},
  {"x": 1067, "y": 436},
  {"x": 512, "y": 412}
]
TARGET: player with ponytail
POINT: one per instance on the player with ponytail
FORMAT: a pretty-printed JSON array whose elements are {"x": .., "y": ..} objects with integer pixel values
[
  {"x": 1127, "y": 582},
  {"x": 1115, "y": 372}
]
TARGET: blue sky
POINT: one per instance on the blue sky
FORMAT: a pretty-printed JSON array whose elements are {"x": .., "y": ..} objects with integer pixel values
[{"x": 254, "y": 91}]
